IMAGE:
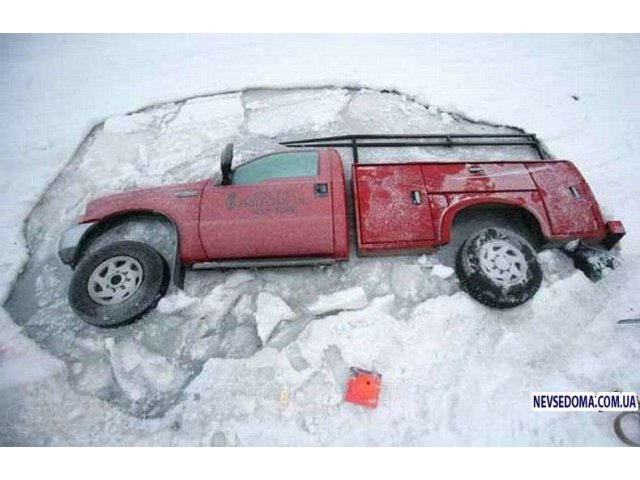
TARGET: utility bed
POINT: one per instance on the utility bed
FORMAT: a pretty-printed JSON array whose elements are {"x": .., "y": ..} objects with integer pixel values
[{"x": 412, "y": 205}]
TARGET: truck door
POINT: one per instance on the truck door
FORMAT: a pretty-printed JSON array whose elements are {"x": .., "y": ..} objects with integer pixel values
[
  {"x": 393, "y": 206},
  {"x": 278, "y": 205}
]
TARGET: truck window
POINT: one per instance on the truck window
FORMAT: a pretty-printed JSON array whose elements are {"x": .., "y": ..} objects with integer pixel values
[{"x": 277, "y": 165}]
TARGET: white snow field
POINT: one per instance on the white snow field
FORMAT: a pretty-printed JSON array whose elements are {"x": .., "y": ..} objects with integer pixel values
[{"x": 262, "y": 357}]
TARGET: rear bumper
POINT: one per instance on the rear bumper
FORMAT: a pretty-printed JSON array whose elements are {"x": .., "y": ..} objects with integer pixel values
[{"x": 615, "y": 231}]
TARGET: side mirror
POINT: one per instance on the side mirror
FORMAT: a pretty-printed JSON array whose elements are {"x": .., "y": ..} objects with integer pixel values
[{"x": 225, "y": 163}]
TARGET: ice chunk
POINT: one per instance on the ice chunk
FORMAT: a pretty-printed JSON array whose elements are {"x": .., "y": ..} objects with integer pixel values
[
  {"x": 46, "y": 283},
  {"x": 142, "y": 373},
  {"x": 339, "y": 369},
  {"x": 240, "y": 342},
  {"x": 244, "y": 310},
  {"x": 293, "y": 110},
  {"x": 212, "y": 117},
  {"x": 138, "y": 122},
  {"x": 218, "y": 439},
  {"x": 383, "y": 304},
  {"x": 128, "y": 123},
  {"x": 235, "y": 337},
  {"x": 318, "y": 393},
  {"x": 351, "y": 299},
  {"x": 297, "y": 361},
  {"x": 287, "y": 332},
  {"x": 205, "y": 348},
  {"x": 21, "y": 361},
  {"x": 175, "y": 303},
  {"x": 555, "y": 264},
  {"x": 425, "y": 261},
  {"x": 442, "y": 271},
  {"x": 270, "y": 311},
  {"x": 407, "y": 281},
  {"x": 446, "y": 118},
  {"x": 238, "y": 278},
  {"x": 214, "y": 307},
  {"x": 94, "y": 376},
  {"x": 378, "y": 111}
]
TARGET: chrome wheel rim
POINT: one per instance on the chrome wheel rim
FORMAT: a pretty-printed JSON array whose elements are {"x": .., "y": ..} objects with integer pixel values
[
  {"x": 502, "y": 263},
  {"x": 115, "y": 280}
]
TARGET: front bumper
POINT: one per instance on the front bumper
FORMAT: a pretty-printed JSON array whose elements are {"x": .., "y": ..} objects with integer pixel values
[
  {"x": 615, "y": 231},
  {"x": 70, "y": 241}
]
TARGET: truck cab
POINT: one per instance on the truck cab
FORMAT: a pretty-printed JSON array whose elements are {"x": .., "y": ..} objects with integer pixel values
[{"x": 287, "y": 205}]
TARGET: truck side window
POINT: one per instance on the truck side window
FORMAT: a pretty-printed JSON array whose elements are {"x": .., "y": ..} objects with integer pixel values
[{"x": 277, "y": 165}]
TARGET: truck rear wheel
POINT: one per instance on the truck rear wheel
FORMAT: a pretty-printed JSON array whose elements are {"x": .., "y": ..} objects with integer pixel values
[
  {"x": 498, "y": 267},
  {"x": 118, "y": 283}
]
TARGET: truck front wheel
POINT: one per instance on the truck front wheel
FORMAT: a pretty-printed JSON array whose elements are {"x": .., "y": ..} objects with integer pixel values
[
  {"x": 118, "y": 283},
  {"x": 499, "y": 268}
]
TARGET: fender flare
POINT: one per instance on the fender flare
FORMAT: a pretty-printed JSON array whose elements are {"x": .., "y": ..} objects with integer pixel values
[
  {"x": 447, "y": 219},
  {"x": 103, "y": 225}
]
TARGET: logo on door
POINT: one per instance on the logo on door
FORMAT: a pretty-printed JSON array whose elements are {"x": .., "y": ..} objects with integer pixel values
[{"x": 267, "y": 202}]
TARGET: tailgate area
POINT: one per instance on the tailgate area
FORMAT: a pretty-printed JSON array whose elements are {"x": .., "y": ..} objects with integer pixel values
[{"x": 569, "y": 202}]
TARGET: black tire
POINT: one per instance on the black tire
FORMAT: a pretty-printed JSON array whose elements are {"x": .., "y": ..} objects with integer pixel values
[
  {"x": 484, "y": 279},
  {"x": 150, "y": 288},
  {"x": 617, "y": 427}
]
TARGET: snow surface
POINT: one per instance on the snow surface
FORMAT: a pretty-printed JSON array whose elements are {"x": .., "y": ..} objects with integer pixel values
[{"x": 454, "y": 372}]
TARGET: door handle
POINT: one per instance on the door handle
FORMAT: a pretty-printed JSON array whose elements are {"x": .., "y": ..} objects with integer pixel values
[
  {"x": 321, "y": 189},
  {"x": 186, "y": 193},
  {"x": 416, "y": 197},
  {"x": 476, "y": 169},
  {"x": 574, "y": 191}
]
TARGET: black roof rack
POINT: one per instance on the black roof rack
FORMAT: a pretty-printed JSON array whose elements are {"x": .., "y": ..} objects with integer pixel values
[{"x": 428, "y": 140}]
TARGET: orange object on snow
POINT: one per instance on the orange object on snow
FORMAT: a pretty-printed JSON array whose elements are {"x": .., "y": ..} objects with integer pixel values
[{"x": 363, "y": 388}]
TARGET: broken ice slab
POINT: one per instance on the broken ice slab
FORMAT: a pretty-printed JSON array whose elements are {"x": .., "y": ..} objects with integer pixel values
[
  {"x": 271, "y": 310},
  {"x": 350, "y": 299},
  {"x": 442, "y": 271},
  {"x": 176, "y": 303},
  {"x": 287, "y": 332},
  {"x": 338, "y": 368},
  {"x": 150, "y": 382}
]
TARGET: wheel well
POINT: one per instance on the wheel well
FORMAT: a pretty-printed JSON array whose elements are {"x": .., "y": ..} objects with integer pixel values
[
  {"x": 512, "y": 217},
  {"x": 156, "y": 230}
]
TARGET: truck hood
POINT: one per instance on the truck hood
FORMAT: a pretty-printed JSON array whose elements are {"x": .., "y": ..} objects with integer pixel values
[{"x": 165, "y": 200}]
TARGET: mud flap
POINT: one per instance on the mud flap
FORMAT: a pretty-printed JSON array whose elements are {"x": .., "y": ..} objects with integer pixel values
[
  {"x": 177, "y": 272},
  {"x": 593, "y": 262}
]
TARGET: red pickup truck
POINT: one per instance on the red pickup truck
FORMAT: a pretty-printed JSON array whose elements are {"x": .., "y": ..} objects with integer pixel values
[{"x": 292, "y": 208}]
